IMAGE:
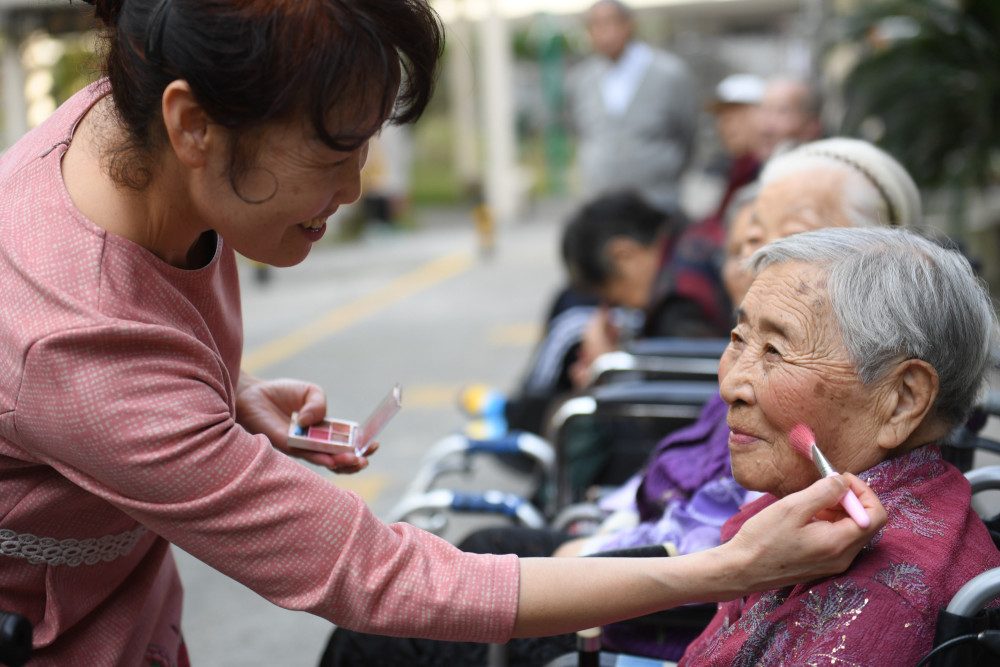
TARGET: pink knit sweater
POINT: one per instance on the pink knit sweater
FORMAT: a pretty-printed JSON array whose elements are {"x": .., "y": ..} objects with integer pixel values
[{"x": 117, "y": 437}]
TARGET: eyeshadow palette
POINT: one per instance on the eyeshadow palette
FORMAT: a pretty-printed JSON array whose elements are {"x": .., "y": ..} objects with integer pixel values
[{"x": 334, "y": 436}]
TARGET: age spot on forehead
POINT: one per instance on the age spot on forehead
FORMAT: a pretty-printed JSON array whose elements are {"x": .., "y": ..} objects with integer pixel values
[{"x": 820, "y": 302}]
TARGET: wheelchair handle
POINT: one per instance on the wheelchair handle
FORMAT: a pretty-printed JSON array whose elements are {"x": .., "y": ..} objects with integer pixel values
[
  {"x": 516, "y": 442},
  {"x": 648, "y": 551},
  {"x": 975, "y": 594},
  {"x": 498, "y": 502},
  {"x": 487, "y": 502},
  {"x": 15, "y": 639}
]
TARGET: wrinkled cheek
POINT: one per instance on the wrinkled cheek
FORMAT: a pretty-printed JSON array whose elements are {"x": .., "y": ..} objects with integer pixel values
[
  {"x": 832, "y": 407},
  {"x": 785, "y": 406},
  {"x": 791, "y": 399},
  {"x": 772, "y": 471},
  {"x": 754, "y": 471}
]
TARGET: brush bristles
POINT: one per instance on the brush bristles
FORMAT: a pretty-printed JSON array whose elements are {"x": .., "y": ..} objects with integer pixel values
[{"x": 802, "y": 440}]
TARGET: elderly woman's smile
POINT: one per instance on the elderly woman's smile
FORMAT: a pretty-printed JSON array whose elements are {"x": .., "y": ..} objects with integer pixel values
[{"x": 786, "y": 364}]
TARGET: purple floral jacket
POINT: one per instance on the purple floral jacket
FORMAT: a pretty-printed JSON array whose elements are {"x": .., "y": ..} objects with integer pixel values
[{"x": 882, "y": 610}]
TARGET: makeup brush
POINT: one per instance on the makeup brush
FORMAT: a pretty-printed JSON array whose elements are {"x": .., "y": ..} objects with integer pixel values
[{"x": 804, "y": 442}]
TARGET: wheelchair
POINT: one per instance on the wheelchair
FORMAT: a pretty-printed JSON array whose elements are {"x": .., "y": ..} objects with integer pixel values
[
  {"x": 635, "y": 414},
  {"x": 636, "y": 397}
]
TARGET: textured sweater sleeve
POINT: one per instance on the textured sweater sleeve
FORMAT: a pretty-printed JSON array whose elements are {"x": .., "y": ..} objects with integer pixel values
[{"x": 141, "y": 416}]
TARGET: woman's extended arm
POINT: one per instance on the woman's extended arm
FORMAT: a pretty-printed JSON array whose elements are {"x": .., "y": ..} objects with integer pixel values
[{"x": 782, "y": 545}]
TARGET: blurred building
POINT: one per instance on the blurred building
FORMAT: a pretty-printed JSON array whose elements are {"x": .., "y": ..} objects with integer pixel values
[
  {"x": 35, "y": 37},
  {"x": 715, "y": 38}
]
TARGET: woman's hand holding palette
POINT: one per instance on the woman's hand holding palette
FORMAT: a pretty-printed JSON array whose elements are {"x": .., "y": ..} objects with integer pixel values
[{"x": 335, "y": 436}]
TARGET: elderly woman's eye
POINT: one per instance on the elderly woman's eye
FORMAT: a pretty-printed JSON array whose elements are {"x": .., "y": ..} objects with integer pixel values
[{"x": 770, "y": 349}]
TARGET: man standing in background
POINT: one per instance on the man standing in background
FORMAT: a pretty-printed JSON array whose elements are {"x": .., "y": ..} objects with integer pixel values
[{"x": 634, "y": 110}]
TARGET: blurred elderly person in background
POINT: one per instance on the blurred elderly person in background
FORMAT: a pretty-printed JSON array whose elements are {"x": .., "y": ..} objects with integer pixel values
[
  {"x": 734, "y": 106},
  {"x": 790, "y": 114},
  {"x": 836, "y": 182},
  {"x": 631, "y": 255},
  {"x": 878, "y": 340},
  {"x": 633, "y": 108}
]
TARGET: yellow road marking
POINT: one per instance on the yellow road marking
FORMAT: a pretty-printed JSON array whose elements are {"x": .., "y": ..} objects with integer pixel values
[
  {"x": 433, "y": 395},
  {"x": 524, "y": 333},
  {"x": 340, "y": 318}
]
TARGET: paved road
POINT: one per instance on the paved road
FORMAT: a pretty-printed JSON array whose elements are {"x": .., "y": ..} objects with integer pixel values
[{"x": 422, "y": 308}]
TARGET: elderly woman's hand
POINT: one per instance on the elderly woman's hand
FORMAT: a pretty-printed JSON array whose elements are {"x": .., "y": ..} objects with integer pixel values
[
  {"x": 265, "y": 407},
  {"x": 805, "y": 535}
]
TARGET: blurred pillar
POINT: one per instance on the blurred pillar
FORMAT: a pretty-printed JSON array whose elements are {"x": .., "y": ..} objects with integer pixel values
[
  {"x": 555, "y": 141},
  {"x": 461, "y": 81},
  {"x": 15, "y": 105},
  {"x": 815, "y": 13},
  {"x": 501, "y": 188}
]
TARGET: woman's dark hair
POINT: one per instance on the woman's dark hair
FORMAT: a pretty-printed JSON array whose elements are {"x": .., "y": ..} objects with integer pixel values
[
  {"x": 620, "y": 214},
  {"x": 250, "y": 62}
]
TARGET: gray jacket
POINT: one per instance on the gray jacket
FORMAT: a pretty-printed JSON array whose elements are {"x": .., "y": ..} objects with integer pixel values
[{"x": 649, "y": 146}]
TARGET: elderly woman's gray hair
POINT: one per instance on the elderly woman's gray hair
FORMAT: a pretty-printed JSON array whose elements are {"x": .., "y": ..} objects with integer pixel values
[
  {"x": 878, "y": 189},
  {"x": 897, "y": 295},
  {"x": 742, "y": 197}
]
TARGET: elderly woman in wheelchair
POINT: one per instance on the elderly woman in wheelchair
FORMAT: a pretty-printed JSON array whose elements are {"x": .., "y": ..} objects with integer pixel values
[{"x": 878, "y": 340}]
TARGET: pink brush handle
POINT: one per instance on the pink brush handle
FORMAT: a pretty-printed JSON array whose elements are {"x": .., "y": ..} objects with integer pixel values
[{"x": 853, "y": 506}]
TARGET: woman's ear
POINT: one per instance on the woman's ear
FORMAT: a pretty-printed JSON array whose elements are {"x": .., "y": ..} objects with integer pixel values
[
  {"x": 909, "y": 420},
  {"x": 187, "y": 124}
]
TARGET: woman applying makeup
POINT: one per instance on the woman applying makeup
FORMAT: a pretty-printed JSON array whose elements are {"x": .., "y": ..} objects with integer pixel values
[{"x": 125, "y": 421}]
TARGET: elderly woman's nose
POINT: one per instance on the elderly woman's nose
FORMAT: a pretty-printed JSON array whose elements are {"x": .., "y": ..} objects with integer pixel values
[{"x": 735, "y": 372}]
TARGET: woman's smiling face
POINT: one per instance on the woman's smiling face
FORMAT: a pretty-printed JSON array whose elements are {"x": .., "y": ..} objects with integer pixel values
[
  {"x": 786, "y": 364},
  {"x": 279, "y": 206}
]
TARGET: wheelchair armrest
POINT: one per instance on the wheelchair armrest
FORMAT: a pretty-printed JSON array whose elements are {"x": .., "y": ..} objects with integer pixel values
[
  {"x": 666, "y": 392},
  {"x": 644, "y": 551},
  {"x": 984, "y": 479},
  {"x": 680, "y": 402},
  {"x": 652, "y": 366},
  {"x": 463, "y": 502},
  {"x": 991, "y": 402},
  {"x": 976, "y": 594},
  {"x": 710, "y": 348},
  {"x": 640, "y": 396},
  {"x": 451, "y": 454}
]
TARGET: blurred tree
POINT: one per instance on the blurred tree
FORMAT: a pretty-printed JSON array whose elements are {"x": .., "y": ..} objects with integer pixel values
[
  {"x": 926, "y": 87},
  {"x": 77, "y": 68}
]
